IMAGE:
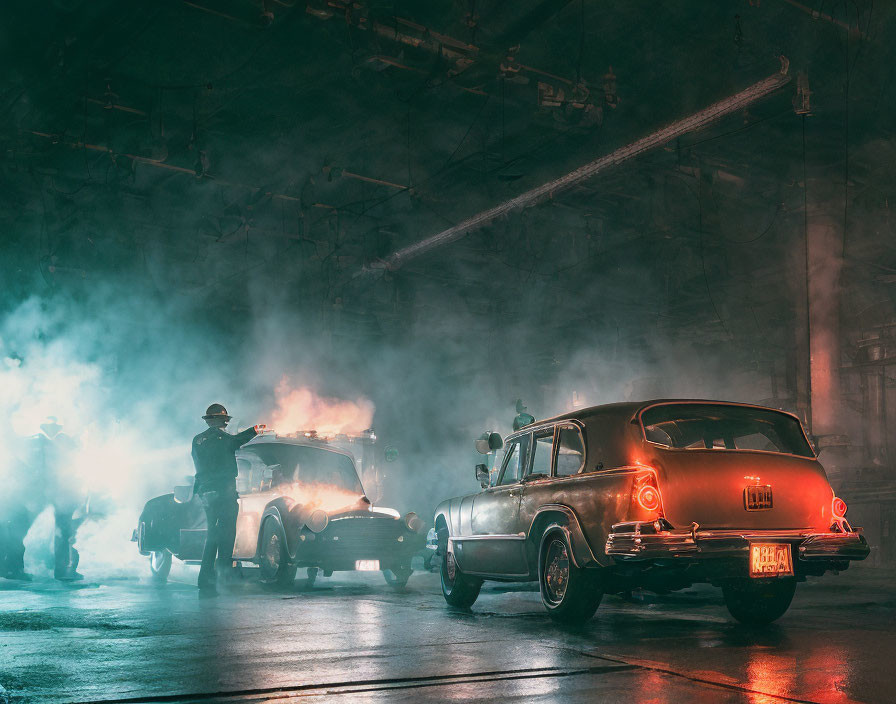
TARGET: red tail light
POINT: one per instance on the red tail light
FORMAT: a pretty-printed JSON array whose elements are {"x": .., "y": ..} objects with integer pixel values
[
  {"x": 649, "y": 498},
  {"x": 646, "y": 495},
  {"x": 838, "y": 507}
]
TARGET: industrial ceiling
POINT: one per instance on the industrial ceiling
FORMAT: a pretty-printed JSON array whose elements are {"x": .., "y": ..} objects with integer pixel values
[{"x": 233, "y": 152}]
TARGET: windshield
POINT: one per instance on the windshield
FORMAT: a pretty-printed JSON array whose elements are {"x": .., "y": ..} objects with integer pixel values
[
  {"x": 311, "y": 465},
  {"x": 703, "y": 426}
]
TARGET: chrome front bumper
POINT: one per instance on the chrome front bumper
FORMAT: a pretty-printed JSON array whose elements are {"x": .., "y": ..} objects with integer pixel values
[{"x": 658, "y": 540}]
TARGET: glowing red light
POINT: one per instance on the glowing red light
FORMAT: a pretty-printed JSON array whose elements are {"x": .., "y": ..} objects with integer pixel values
[
  {"x": 649, "y": 497},
  {"x": 838, "y": 506}
]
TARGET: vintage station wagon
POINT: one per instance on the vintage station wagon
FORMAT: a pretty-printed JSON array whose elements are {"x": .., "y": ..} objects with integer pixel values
[
  {"x": 655, "y": 495},
  {"x": 301, "y": 504}
]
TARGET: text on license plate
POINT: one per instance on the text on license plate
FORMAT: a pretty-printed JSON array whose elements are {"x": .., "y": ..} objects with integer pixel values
[
  {"x": 367, "y": 565},
  {"x": 770, "y": 560}
]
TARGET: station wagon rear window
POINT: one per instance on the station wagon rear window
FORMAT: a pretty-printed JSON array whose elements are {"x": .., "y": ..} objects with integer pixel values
[{"x": 697, "y": 426}]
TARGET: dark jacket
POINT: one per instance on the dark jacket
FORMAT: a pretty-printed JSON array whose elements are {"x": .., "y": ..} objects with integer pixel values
[{"x": 215, "y": 460}]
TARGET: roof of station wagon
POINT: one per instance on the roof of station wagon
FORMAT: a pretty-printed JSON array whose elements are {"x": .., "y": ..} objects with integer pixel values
[{"x": 628, "y": 409}]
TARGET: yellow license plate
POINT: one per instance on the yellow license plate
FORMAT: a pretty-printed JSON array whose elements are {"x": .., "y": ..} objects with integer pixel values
[
  {"x": 367, "y": 565},
  {"x": 770, "y": 560}
]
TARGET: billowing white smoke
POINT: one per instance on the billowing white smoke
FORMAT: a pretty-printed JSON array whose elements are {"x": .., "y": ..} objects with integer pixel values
[
  {"x": 131, "y": 417},
  {"x": 113, "y": 467},
  {"x": 299, "y": 408}
]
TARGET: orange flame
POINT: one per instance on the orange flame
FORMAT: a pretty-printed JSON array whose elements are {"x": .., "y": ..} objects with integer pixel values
[
  {"x": 323, "y": 496},
  {"x": 300, "y": 408}
]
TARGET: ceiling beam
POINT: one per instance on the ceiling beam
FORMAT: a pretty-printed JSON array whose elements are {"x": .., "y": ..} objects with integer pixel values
[{"x": 700, "y": 119}]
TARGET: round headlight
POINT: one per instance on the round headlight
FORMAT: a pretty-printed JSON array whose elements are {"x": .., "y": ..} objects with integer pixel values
[{"x": 317, "y": 521}]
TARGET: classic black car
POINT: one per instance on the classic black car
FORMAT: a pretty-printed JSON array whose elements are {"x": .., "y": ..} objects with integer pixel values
[
  {"x": 301, "y": 505},
  {"x": 656, "y": 495}
]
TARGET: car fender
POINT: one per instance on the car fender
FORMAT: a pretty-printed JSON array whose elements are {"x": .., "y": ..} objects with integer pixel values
[
  {"x": 566, "y": 518},
  {"x": 441, "y": 523},
  {"x": 158, "y": 527},
  {"x": 447, "y": 521}
]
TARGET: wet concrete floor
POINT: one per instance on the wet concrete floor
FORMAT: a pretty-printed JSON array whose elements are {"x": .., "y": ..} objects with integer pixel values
[{"x": 354, "y": 639}]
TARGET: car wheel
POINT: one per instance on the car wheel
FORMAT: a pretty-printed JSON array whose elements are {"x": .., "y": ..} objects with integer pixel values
[
  {"x": 458, "y": 589},
  {"x": 398, "y": 578},
  {"x": 160, "y": 565},
  {"x": 569, "y": 593},
  {"x": 758, "y": 602},
  {"x": 273, "y": 556}
]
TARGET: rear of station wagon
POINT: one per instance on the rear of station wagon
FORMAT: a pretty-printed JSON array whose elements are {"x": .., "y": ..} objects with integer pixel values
[{"x": 656, "y": 495}]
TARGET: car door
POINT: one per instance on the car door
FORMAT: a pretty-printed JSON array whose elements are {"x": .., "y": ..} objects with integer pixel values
[
  {"x": 539, "y": 483},
  {"x": 558, "y": 456},
  {"x": 255, "y": 494},
  {"x": 496, "y": 547}
]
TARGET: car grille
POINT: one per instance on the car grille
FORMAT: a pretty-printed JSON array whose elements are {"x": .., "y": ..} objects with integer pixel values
[{"x": 357, "y": 538}]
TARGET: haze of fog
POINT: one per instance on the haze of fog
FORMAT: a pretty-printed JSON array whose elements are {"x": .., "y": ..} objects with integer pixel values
[{"x": 130, "y": 375}]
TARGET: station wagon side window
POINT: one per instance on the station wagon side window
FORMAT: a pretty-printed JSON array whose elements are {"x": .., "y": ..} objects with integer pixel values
[
  {"x": 543, "y": 452},
  {"x": 570, "y": 452},
  {"x": 515, "y": 461}
]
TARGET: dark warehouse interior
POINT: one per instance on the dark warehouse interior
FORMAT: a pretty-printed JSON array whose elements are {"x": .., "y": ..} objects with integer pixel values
[{"x": 397, "y": 218}]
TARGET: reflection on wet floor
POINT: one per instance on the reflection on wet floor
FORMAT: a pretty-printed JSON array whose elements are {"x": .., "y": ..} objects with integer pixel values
[{"x": 358, "y": 637}]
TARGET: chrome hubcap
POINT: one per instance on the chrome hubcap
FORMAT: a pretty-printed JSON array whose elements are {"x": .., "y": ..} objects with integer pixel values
[
  {"x": 556, "y": 572},
  {"x": 157, "y": 560},
  {"x": 272, "y": 553},
  {"x": 452, "y": 567}
]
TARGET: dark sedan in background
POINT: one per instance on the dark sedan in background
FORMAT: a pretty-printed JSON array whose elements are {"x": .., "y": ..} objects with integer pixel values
[{"x": 301, "y": 505}]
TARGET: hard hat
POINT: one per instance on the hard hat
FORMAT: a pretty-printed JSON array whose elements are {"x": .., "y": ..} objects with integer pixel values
[{"x": 216, "y": 411}]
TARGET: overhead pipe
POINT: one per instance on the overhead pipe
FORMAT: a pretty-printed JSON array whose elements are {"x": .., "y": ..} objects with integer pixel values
[
  {"x": 158, "y": 164},
  {"x": 700, "y": 119}
]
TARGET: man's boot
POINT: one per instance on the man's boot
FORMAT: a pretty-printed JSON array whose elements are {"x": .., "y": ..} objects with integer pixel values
[
  {"x": 67, "y": 559},
  {"x": 226, "y": 574},
  {"x": 19, "y": 574}
]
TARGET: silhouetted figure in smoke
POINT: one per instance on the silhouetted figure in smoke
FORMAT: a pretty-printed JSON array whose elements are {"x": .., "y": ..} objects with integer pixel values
[
  {"x": 214, "y": 455},
  {"x": 522, "y": 417},
  {"x": 49, "y": 481}
]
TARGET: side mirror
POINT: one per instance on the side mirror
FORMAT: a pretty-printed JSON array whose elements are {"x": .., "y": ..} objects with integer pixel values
[{"x": 482, "y": 475}]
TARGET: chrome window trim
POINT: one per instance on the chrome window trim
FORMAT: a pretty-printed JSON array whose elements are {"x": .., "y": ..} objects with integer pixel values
[{"x": 488, "y": 536}]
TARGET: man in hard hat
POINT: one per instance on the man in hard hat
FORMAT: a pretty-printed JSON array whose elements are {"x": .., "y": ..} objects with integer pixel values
[{"x": 214, "y": 456}]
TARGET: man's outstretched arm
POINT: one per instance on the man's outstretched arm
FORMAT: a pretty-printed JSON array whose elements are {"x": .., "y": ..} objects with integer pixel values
[{"x": 242, "y": 438}]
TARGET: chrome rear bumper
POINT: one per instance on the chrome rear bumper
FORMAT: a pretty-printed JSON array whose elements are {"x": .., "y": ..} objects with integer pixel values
[{"x": 658, "y": 540}]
